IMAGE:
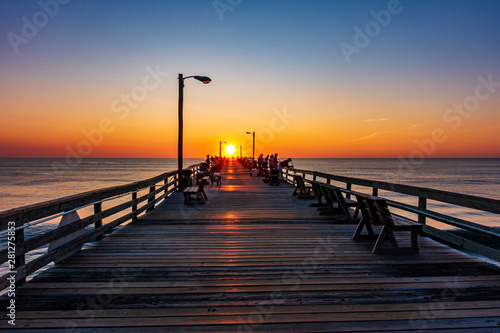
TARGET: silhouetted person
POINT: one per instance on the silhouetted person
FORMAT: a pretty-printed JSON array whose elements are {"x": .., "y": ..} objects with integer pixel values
[
  {"x": 273, "y": 162},
  {"x": 260, "y": 160}
]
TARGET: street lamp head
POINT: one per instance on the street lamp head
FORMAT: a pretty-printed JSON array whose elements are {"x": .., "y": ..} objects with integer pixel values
[
  {"x": 204, "y": 79},
  {"x": 249, "y": 132}
]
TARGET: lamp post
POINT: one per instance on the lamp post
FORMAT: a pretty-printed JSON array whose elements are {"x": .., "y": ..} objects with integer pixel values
[
  {"x": 205, "y": 80},
  {"x": 253, "y": 134},
  {"x": 220, "y": 148}
]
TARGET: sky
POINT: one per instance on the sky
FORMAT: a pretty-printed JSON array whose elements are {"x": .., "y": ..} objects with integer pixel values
[{"x": 339, "y": 79}]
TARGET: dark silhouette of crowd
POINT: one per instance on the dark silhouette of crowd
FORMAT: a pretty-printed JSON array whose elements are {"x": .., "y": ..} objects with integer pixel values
[{"x": 269, "y": 167}]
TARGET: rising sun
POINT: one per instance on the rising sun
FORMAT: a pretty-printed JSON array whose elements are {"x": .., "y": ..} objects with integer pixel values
[{"x": 230, "y": 149}]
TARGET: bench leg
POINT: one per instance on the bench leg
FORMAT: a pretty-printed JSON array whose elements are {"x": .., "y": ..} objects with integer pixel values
[
  {"x": 414, "y": 239},
  {"x": 364, "y": 223},
  {"x": 199, "y": 197},
  {"x": 380, "y": 240},
  {"x": 329, "y": 211},
  {"x": 392, "y": 238},
  {"x": 304, "y": 193},
  {"x": 389, "y": 234},
  {"x": 356, "y": 212},
  {"x": 188, "y": 199}
]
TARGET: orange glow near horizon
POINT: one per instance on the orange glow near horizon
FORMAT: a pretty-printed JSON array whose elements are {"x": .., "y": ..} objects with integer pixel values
[
  {"x": 296, "y": 141},
  {"x": 359, "y": 124}
]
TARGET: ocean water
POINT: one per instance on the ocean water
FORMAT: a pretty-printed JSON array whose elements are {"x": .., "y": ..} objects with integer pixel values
[{"x": 29, "y": 181}]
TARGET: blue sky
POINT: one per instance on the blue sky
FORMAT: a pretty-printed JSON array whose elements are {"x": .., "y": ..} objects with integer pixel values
[{"x": 433, "y": 35}]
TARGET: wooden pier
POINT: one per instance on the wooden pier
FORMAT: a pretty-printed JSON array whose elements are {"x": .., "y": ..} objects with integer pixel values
[{"x": 256, "y": 259}]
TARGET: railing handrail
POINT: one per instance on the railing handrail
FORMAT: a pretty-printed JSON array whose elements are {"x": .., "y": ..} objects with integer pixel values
[
  {"x": 43, "y": 209},
  {"x": 453, "y": 221},
  {"x": 459, "y": 199}
]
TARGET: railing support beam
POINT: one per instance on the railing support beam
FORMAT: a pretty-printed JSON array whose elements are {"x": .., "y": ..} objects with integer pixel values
[
  {"x": 134, "y": 207},
  {"x": 20, "y": 259},
  {"x": 151, "y": 190},
  {"x": 422, "y": 204},
  {"x": 98, "y": 223}
]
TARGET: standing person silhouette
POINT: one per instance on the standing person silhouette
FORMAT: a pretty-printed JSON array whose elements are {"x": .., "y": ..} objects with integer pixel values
[
  {"x": 274, "y": 162},
  {"x": 266, "y": 160}
]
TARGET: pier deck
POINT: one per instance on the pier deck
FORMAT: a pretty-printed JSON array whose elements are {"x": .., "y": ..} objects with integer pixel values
[{"x": 256, "y": 259}]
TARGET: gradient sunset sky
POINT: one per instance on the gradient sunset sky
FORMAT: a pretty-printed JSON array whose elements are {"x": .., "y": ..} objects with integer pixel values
[{"x": 343, "y": 78}]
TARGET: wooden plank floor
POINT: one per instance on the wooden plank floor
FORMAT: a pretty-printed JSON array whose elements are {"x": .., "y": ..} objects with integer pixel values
[{"x": 256, "y": 259}]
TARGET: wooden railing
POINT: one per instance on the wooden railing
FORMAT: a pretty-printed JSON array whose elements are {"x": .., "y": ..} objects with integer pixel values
[
  {"x": 422, "y": 196},
  {"x": 14, "y": 222}
]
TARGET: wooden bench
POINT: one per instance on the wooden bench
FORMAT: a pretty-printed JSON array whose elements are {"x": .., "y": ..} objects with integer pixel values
[
  {"x": 336, "y": 202},
  {"x": 196, "y": 193},
  {"x": 302, "y": 190},
  {"x": 367, "y": 220},
  {"x": 375, "y": 211},
  {"x": 318, "y": 193}
]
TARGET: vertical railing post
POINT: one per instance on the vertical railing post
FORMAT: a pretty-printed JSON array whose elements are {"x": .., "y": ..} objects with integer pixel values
[
  {"x": 348, "y": 187},
  {"x": 422, "y": 204},
  {"x": 375, "y": 192},
  {"x": 166, "y": 186},
  {"x": 134, "y": 206},
  {"x": 328, "y": 181},
  {"x": 20, "y": 260},
  {"x": 98, "y": 222},
  {"x": 151, "y": 190}
]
